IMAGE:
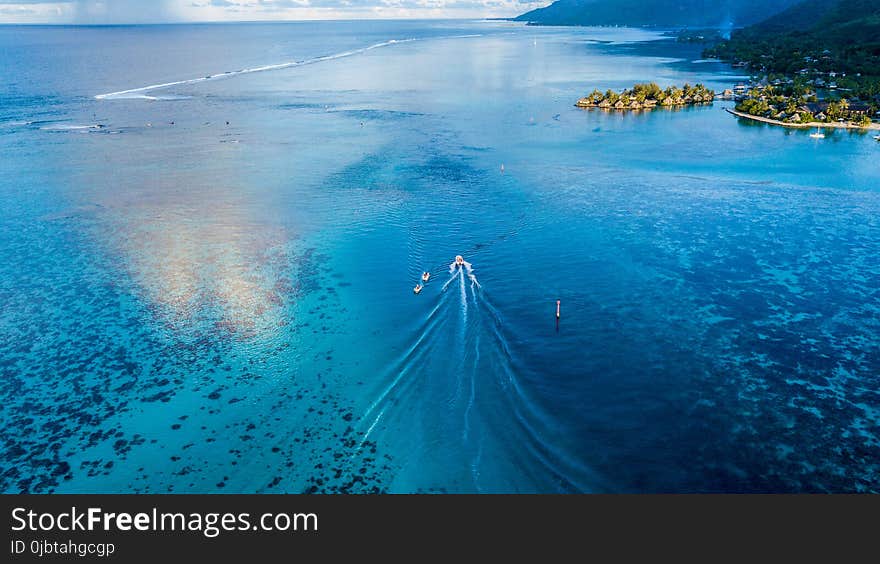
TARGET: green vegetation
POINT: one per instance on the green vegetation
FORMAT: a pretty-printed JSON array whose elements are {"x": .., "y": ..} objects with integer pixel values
[
  {"x": 648, "y": 96},
  {"x": 706, "y": 13},
  {"x": 796, "y": 104},
  {"x": 832, "y": 44}
]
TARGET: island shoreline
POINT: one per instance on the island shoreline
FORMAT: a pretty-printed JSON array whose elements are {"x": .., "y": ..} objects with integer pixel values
[{"x": 808, "y": 125}]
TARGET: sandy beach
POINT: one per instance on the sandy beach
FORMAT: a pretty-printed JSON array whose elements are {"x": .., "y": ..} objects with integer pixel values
[{"x": 834, "y": 125}]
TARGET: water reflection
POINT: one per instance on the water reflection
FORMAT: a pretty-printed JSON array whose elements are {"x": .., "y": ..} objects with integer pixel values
[{"x": 205, "y": 265}]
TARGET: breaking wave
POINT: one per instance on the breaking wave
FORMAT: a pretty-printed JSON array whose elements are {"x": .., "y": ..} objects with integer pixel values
[{"x": 143, "y": 91}]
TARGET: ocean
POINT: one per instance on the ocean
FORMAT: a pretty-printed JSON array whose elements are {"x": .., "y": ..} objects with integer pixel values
[{"x": 210, "y": 236}]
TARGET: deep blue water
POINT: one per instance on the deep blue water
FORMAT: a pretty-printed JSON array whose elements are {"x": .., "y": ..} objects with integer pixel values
[{"x": 207, "y": 287}]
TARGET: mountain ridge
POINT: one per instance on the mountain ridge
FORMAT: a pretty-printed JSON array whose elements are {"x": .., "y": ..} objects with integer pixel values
[
  {"x": 842, "y": 35},
  {"x": 708, "y": 13}
]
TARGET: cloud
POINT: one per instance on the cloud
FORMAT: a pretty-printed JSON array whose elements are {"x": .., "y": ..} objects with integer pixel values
[
  {"x": 92, "y": 11},
  {"x": 124, "y": 11},
  {"x": 151, "y": 11},
  {"x": 32, "y": 11},
  {"x": 293, "y": 6}
]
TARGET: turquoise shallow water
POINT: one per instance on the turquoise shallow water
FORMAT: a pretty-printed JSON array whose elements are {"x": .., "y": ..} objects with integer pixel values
[{"x": 224, "y": 304}]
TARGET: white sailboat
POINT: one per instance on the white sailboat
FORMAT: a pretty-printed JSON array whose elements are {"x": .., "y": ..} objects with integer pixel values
[{"x": 818, "y": 134}]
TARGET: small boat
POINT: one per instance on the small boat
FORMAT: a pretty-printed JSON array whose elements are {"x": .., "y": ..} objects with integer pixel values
[
  {"x": 877, "y": 138},
  {"x": 459, "y": 260},
  {"x": 426, "y": 276},
  {"x": 818, "y": 134},
  {"x": 418, "y": 289}
]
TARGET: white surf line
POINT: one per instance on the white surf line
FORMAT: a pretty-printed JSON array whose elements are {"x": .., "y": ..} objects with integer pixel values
[
  {"x": 474, "y": 286},
  {"x": 462, "y": 338},
  {"x": 229, "y": 74},
  {"x": 143, "y": 90},
  {"x": 463, "y": 288},
  {"x": 67, "y": 127},
  {"x": 402, "y": 373},
  {"x": 370, "y": 430},
  {"x": 470, "y": 404},
  {"x": 526, "y": 411},
  {"x": 405, "y": 366},
  {"x": 448, "y": 282},
  {"x": 475, "y": 465}
]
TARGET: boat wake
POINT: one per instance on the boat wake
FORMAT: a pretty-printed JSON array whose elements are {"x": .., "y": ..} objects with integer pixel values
[
  {"x": 456, "y": 395},
  {"x": 143, "y": 92}
]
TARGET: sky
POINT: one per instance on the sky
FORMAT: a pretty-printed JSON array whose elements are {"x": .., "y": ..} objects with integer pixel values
[{"x": 156, "y": 11}]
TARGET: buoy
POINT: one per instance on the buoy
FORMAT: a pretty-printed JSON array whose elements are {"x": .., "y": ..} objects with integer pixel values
[{"x": 558, "y": 303}]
